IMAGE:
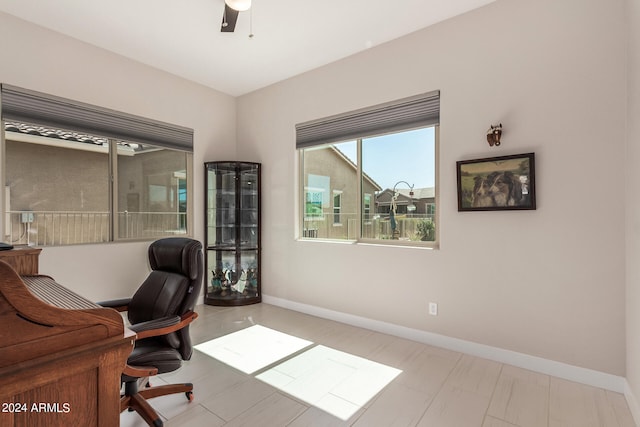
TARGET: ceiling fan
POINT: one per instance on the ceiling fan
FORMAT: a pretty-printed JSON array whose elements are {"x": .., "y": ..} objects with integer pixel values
[{"x": 230, "y": 15}]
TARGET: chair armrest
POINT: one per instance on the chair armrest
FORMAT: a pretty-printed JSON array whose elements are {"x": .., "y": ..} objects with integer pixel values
[
  {"x": 163, "y": 325},
  {"x": 140, "y": 371},
  {"x": 121, "y": 304},
  {"x": 155, "y": 324}
]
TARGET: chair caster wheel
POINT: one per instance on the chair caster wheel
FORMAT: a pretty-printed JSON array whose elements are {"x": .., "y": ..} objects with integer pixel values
[{"x": 189, "y": 395}]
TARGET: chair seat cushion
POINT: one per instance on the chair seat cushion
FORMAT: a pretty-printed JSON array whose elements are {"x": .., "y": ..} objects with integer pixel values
[{"x": 155, "y": 353}]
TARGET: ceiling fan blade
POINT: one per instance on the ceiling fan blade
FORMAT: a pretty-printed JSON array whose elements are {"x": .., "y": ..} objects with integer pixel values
[{"x": 229, "y": 18}]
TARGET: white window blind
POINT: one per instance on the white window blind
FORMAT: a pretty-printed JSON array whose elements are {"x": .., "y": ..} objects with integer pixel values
[
  {"x": 403, "y": 114},
  {"x": 28, "y": 106}
]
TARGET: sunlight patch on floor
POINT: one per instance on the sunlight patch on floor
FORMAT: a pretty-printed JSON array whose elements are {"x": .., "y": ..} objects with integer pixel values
[
  {"x": 253, "y": 348},
  {"x": 336, "y": 382}
]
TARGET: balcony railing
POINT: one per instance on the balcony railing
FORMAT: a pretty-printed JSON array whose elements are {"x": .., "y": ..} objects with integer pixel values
[
  {"x": 53, "y": 228},
  {"x": 325, "y": 226}
]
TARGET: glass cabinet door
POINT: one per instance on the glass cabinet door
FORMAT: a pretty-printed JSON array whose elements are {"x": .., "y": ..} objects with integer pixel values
[
  {"x": 249, "y": 207},
  {"x": 221, "y": 205},
  {"x": 232, "y": 233}
]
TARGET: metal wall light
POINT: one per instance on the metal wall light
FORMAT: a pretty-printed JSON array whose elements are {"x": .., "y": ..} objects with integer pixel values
[
  {"x": 239, "y": 5},
  {"x": 494, "y": 134}
]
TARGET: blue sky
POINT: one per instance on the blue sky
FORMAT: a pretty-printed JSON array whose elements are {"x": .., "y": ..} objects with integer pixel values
[{"x": 407, "y": 156}]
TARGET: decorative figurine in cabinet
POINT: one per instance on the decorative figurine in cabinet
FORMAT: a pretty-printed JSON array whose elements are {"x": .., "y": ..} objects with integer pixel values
[{"x": 232, "y": 226}]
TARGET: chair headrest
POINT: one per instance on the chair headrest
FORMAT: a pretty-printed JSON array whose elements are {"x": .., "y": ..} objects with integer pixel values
[{"x": 179, "y": 255}]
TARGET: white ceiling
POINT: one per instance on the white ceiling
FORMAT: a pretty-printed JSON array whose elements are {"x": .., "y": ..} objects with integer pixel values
[{"x": 183, "y": 36}]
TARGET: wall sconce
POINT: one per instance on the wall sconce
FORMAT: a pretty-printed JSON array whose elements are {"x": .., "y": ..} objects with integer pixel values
[
  {"x": 239, "y": 5},
  {"x": 494, "y": 134}
]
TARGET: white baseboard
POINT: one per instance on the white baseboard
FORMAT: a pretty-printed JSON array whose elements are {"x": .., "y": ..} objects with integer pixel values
[
  {"x": 521, "y": 360},
  {"x": 634, "y": 406}
]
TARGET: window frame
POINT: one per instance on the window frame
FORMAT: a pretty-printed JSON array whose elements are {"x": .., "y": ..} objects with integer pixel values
[
  {"x": 112, "y": 159},
  {"x": 301, "y": 233},
  {"x": 28, "y": 106}
]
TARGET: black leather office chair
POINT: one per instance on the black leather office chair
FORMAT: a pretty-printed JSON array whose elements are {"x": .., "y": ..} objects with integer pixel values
[{"x": 160, "y": 313}]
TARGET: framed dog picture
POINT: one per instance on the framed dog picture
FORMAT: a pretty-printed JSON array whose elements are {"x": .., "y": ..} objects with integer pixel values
[{"x": 497, "y": 183}]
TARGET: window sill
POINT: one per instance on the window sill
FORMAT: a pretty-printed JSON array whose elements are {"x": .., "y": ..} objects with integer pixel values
[
  {"x": 336, "y": 241},
  {"x": 400, "y": 244},
  {"x": 383, "y": 243}
]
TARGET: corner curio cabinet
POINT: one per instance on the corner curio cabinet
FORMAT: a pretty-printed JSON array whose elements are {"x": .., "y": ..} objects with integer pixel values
[{"x": 232, "y": 233}]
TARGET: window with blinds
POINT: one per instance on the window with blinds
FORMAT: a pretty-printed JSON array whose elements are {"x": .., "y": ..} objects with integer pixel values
[
  {"x": 382, "y": 162},
  {"x": 78, "y": 173}
]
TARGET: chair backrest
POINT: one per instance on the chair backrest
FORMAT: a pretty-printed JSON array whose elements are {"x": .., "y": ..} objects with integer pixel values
[{"x": 171, "y": 288}]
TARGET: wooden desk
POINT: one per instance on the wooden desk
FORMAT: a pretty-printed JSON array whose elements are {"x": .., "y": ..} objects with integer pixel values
[
  {"x": 23, "y": 259},
  {"x": 58, "y": 366}
]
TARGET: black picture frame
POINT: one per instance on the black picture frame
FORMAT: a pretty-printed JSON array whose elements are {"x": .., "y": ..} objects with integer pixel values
[{"x": 497, "y": 183}]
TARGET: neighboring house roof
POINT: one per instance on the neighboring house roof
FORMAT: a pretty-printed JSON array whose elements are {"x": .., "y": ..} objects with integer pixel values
[
  {"x": 384, "y": 198},
  {"x": 340, "y": 154},
  {"x": 419, "y": 193}
]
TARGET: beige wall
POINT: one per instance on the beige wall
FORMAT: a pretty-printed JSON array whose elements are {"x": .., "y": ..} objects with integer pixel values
[
  {"x": 342, "y": 178},
  {"x": 548, "y": 282},
  {"x": 633, "y": 205},
  {"x": 48, "y": 178},
  {"x": 46, "y": 61},
  {"x": 136, "y": 173}
]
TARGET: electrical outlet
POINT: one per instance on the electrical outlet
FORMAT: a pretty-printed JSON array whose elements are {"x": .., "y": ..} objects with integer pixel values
[{"x": 433, "y": 308}]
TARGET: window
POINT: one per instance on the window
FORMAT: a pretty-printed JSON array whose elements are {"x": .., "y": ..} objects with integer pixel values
[
  {"x": 337, "y": 207},
  {"x": 366, "y": 208},
  {"x": 68, "y": 187},
  {"x": 323, "y": 187},
  {"x": 152, "y": 192},
  {"x": 382, "y": 182},
  {"x": 317, "y": 196}
]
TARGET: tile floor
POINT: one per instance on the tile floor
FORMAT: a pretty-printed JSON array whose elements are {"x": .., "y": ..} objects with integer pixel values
[{"x": 437, "y": 387}]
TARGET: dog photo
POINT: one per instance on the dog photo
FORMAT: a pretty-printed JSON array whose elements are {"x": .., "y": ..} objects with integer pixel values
[{"x": 497, "y": 183}]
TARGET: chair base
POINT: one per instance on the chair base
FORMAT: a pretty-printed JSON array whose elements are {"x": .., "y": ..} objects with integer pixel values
[{"x": 136, "y": 400}]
